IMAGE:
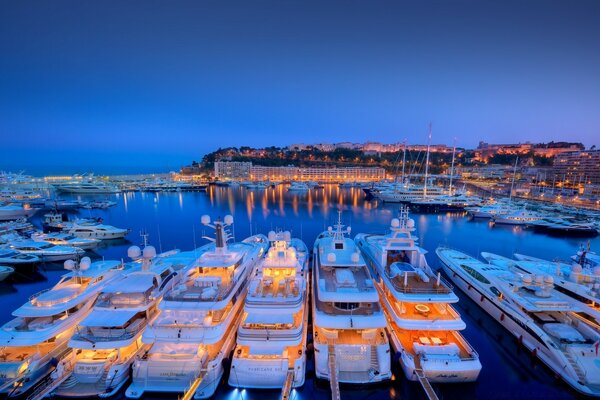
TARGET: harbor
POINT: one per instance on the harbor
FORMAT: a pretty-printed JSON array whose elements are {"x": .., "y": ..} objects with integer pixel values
[{"x": 174, "y": 220}]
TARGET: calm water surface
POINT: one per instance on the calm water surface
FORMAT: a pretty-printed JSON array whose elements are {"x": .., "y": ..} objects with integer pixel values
[{"x": 173, "y": 221}]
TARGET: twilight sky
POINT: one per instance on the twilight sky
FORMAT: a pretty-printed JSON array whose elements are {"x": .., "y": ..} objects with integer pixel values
[{"x": 128, "y": 86}]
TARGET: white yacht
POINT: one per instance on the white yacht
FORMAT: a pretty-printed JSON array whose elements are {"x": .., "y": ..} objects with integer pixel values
[
  {"x": 64, "y": 239},
  {"x": 30, "y": 343},
  {"x": 517, "y": 217},
  {"x": 445, "y": 202},
  {"x": 489, "y": 210},
  {"x": 47, "y": 251},
  {"x": 16, "y": 211},
  {"x": 348, "y": 322},
  {"x": 298, "y": 187},
  {"x": 271, "y": 340},
  {"x": 107, "y": 341},
  {"x": 407, "y": 193},
  {"x": 195, "y": 332},
  {"x": 87, "y": 188},
  {"x": 96, "y": 230},
  {"x": 544, "y": 320},
  {"x": 422, "y": 325}
]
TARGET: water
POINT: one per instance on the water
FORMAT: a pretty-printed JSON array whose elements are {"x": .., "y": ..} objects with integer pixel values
[{"x": 173, "y": 221}]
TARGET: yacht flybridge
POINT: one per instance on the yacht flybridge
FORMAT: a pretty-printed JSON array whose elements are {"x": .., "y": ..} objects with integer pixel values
[
  {"x": 30, "y": 343},
  {"x": 546, "y": 321},
  {"x": 195, "y": 331},
  {"x": 422, "y": 325},
  {"x": 271, "y": 341},
  {"x": 107, "y": 341},
  {"x": 348, "y": 322}
]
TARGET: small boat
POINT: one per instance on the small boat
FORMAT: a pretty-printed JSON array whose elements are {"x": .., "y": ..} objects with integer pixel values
[{"x": 5, "y": 272}]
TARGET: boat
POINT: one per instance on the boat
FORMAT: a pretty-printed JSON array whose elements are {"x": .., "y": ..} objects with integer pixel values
[
  {"x": 16, "y": 211},
  {"x": 544, "y": 320},
  {"x": 442, "y": 203},
  {"x": 298, "y": 187},
  {"x": 14, "y": 258},
  {"x": 565, "y": 227},
  {"x": 423, "y": 327},
  {"x": 64, "y": 239},
  {"x": 108, "y": 340},
  {"x": 580, "y": 284},
  {"x": 192, "y": 339},
  {"x": 47, "y": 252},
  {"x": 86, "y": 188},
  {"x": 517, "y": 217},
  {"x": 407, "y": 193},
  {"x": 271, "y": 338},
  {"x": 349, "y": 337},
  {"x": 34, "y": 343},
  {"x": 95, "y": 229},
  {"x": 586, "y": 258},
  {"x": 5, "y": 272},
  {"x": 488, "y": 210}
]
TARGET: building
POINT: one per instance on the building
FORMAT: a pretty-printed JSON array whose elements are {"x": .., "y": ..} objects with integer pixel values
[
  {"x": 232, "y": 170},
  {"x": 578, "y": 167},
  {"x": 319, "y": 174}
]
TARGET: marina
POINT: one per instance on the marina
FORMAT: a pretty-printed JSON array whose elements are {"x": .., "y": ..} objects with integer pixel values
[{"x": 274, "y": 294}]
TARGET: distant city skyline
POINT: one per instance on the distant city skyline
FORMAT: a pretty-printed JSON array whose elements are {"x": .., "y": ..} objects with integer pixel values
[{"x": 130, "y": 87}]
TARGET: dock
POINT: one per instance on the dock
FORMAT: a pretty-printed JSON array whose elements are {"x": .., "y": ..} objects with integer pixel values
[{"x": 333, "y": 376}]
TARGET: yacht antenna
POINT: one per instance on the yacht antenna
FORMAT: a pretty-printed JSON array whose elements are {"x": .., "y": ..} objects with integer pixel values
[
  {"x": 403, "y": 161},
  {"x": 159, "y": 241},
  {"x": 427, "y": 162}
]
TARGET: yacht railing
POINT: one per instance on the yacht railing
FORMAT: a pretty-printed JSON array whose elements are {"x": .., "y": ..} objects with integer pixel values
[{"x": 110, "y": 334}]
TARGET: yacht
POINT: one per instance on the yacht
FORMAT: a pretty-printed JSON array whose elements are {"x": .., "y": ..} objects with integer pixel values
[
  {"x": 565, "y": 227},
  {"x": 87, "y": 188},
  {"x": 194, "y": 335},
  {"x": 545, "y": 321},
  {"x": 271, "y": 339},
  {"x": 96, "y": 230},
  {"x": 586, "y": 258},
  {"x": 408, "y": 193},
  {"x": 298, "y": 187},
  {"x": 107, "y": 341},
  {"x": 47, "y": 252},
  {"x": 517, "y": 217},
  {"x": 445, "y": 202},
  {"x": 37, "y": 337},
  {"x": 14, "y": 258},
  {"x": 422, "y": 325},
  {"x": 488, "y": 210},
  {"x": 16, "y": 211},
  {"x": 64, "y": 239},
  {"x": 350, "y": 343}
]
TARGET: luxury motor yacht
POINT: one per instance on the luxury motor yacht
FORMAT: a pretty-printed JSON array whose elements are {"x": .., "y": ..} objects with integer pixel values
[
  {"x": 488, "y": 210},
  {"x": 16, "y": 211},
  {"x": 271, "y": 340},
  {"x": 517, "y": 217},
  {"x": 195, "y": 332},
  {"x": 107, "y": 341},
  {"x": 47, "y": 251},
  {"x": 545, "y": 321},
  {"x": 408, "y": 193},
  {"x": 298, "y": 187},
  {"x": 445, "y": 202},
  {"x": 422, "y": 325},
  {"x": 565, "y": 227},
  {"x": 31, "y": 343},
  {"x": 87, "y": 188},
  {"x": 96, "y": 230},
  {"x": 348, "y": 322},
  {"x": 64, "y": 239}
]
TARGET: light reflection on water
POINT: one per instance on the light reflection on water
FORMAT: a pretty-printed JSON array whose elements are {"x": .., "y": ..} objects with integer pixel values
[{"x": 173, "y": 221}]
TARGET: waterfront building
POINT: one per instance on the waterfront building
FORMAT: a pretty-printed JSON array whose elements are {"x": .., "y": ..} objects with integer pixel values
[
  {"x": 318, "y": 174},
  {"x": 232, "y": 169},
  {"x": 578, "y": 166}
]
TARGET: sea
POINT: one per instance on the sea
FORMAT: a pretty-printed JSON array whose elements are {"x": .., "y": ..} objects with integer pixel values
[{"x": 172, "y": 221}]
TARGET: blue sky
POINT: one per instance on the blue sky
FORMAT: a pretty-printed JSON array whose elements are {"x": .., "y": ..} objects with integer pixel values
[{"x": 131, "y": 86}]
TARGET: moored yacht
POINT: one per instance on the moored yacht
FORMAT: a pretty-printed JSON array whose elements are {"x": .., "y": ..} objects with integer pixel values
[
  {"x": 16, "y": 211},
  {"x": 195, "y": 332},
  {"x": 47, "y": 251},
  {"x": 89, "y": 187},
  {"x": 348, "y": 322},
  {"x": 544, "y": 320},
  {"x": 422, "y": 325},
  {"x": 32, "y": 342},
  {"x": 14, "y": 258},
  {"x": 271, "y": 341},
  {"x": 107, "y": 341},
  {"x": 64, "y": 239},
  {"x": 96, "y": 230}
]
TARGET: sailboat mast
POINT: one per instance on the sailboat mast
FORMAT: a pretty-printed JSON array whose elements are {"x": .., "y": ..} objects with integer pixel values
[
  {"x": 427, "y": 162},
  {"x": 403, "y": 162},
  {"x": 452, "y": 167},
  {"x": 512, "y": 184}
]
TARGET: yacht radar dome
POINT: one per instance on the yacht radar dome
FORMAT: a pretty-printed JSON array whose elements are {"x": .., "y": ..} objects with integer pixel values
[
  {"x": 228, "y": 220},
  {"x": 149, "y": 252},
  {"x": 70, "y": 265},
  {"x": 85, "y": 263},
  {"x": 272, "y": 236},
  {"x": 205, "y": 219},
  {"x": 134, "y": 252},
  {"x": 395, "y": 222}
]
